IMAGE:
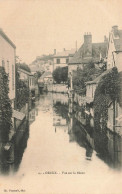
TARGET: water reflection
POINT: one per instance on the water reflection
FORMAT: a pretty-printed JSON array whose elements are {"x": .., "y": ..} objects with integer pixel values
[
  {"x": 52, "y": 121},
  {"x": 10, "y": 159},
  {"x": 79, "y": 135},
  {"x": 20, "y": 144},
  {"x": 108, "y": 145}
]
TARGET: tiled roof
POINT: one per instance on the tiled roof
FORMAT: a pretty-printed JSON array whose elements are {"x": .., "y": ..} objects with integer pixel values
[
  {"x": 65, "y": 53},
  {"x": 26, "y": 72},
  {"x": 97, "y": 49},
  {"x": 95, "y": 81},
  {"x": 46, "y": 74}
]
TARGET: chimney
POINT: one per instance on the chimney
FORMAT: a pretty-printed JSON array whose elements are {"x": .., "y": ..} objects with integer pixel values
[
  {"x": 54, "y": 51},
  {"x": 87, "y": 38},
  {"x": 87, "y": 51},
  {"x": 115, "y": 30}
]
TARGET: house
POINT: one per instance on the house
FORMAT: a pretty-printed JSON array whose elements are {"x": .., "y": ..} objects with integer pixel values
[
  {"x": 91, "y": 85},
  {"x": 90, "y": 93},
  {"x": 7, "y": 60},
  {"x": 28, "y": 78},
  {"x": 46, "y": 78},
  {"x": 88, "y": 52},
  {"x": 42, "y": 63},
  {"x": 114, "y": 54},
  {"x": 114, "y": 122},
  {"x": 46, "y": 81},
  {"x": 114, "y": 58},
  {"x": 115, "y": 112},
  {"x": 61, "y": 59}
]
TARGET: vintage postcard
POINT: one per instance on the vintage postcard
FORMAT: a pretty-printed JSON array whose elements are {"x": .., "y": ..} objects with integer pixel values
[{"x": 61, "y": 96}]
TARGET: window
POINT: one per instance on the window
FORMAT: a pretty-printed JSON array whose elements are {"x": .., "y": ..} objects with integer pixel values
[
  {"x": 3, "y": 63},
  {"x": 58, "y": 61},
  {"x": 12, "y": 77},
  {"x": 67, "y": 61}
]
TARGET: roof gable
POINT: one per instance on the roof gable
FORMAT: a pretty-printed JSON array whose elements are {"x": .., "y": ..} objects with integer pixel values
[
  {"x": 95, "y": 81},
  {"x": 65, "y": 53},
  {"x": 118, "y": 41},
  {"x": 26, "y": 72},
  {"x": 6, "y": 38}
]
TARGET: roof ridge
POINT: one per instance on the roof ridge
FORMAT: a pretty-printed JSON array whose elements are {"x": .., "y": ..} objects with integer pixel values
[{"x": 2, "y": 33}]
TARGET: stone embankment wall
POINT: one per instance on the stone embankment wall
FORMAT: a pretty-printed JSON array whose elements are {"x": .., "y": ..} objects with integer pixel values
[
  {"x": 58, "y": 88},
  {"x": 24, "y": 110}
]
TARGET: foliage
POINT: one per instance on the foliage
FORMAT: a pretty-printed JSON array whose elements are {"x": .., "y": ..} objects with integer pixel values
[
  {"x": 119, "y": 99},
  {"x": 81, "y": 76},
  {"x": 23, "y": 66},
  {"x": 64, "y": 74},
  {"x": 109, "y": 84},
  {"x": 106, "y": 91},
  {"x": 5, "y": 106},
  {"x": 22, "y": 92},
  {"x": 60, "y": 74},
  {"x": 37, "y": 75}
]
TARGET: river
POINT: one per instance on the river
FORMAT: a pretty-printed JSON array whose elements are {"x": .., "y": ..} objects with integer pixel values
[{"x": 54, "y": 152}]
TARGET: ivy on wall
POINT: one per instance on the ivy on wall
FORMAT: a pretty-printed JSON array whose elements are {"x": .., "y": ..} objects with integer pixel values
[
  {"x": 81, "y": 76},
  {"x": 5, "y": 106},
  {"x": 107, "y": 90},
  {"x": 22, "y": 92}
]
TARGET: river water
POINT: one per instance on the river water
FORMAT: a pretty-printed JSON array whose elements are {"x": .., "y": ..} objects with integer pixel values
[{"x": 53, "y": 154}]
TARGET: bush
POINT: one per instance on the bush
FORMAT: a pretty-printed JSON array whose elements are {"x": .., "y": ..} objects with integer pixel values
[{"x": 60, "y": 75}]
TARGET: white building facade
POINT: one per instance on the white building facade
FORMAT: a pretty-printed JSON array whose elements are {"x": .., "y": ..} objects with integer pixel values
[
  {"x": 114, "y": 58},
  {"x": 7, "y": 60},
  {"x": 28, "y": 78},
  {"x": 61, "y": 59}
]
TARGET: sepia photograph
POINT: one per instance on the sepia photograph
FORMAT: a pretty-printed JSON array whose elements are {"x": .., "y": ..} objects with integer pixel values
[{"x": 61, "y": 96}]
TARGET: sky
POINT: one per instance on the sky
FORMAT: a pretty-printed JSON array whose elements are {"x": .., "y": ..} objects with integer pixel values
[{"x": 38, "y": 27}]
